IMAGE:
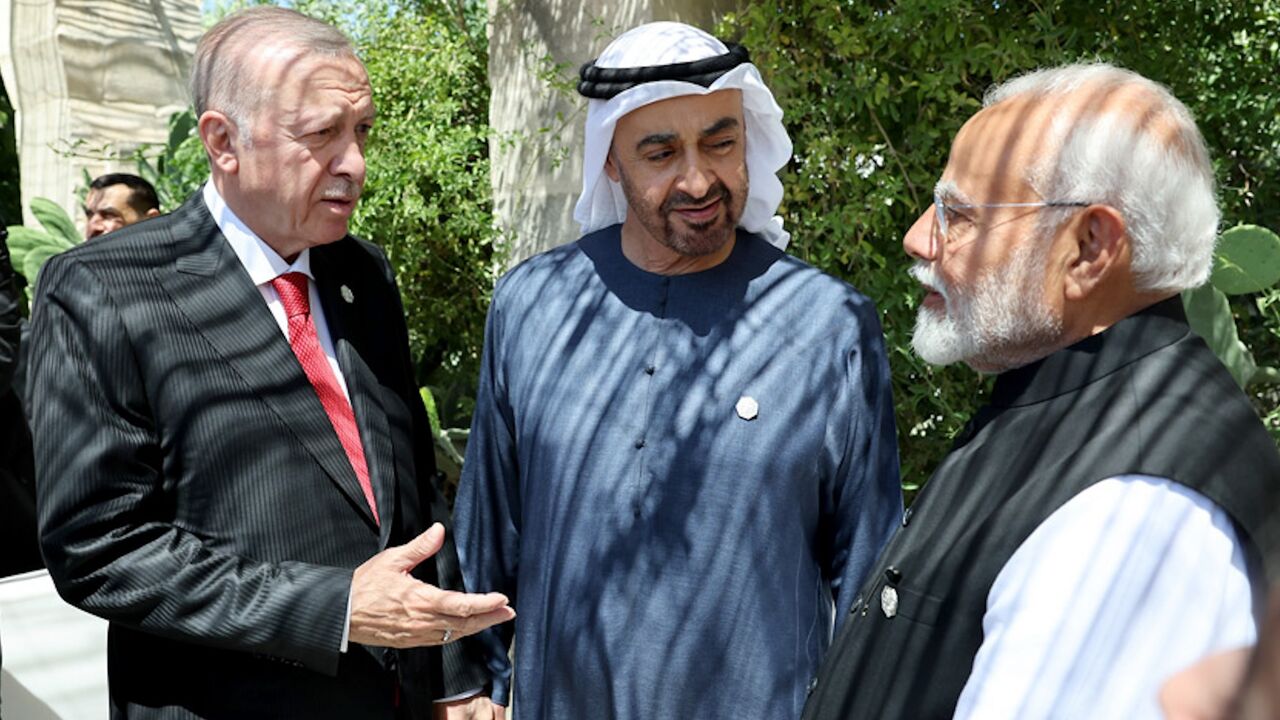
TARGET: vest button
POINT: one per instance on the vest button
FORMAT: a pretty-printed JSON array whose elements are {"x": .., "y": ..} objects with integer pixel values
[
  {"x": 813, "y": 685},
  {"x": 906, "y": 516}
]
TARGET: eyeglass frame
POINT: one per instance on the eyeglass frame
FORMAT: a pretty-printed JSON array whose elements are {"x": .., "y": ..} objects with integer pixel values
[{"x": 940, "y": 211}]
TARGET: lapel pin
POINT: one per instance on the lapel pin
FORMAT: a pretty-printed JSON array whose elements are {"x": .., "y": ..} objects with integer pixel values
[
  {"x": 747, "y": 407},
  {"x": 347, "y": 295},
  {"x": 889, "y": 601}
]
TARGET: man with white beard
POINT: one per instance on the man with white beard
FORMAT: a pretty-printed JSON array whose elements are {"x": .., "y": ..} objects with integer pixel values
[{"x": 1103, "y": 522}]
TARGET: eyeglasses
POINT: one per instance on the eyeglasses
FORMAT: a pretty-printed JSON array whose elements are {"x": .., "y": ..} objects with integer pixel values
[{"x": 940, "y": 209}]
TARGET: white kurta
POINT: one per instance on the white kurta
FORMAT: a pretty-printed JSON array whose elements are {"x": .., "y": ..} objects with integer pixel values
[{"x": 1130, "y": 581}]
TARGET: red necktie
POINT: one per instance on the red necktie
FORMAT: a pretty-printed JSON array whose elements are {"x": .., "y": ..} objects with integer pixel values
[{"x": 292, "y": 287}]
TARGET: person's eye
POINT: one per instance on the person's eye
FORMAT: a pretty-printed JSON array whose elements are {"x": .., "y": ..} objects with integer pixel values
[{"x": 658, "y": 156}]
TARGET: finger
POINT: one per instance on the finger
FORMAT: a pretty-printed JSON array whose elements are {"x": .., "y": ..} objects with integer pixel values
[
  {"x": 499, "y": 712},
  {"x": 422, "y": 547},
  {"x": 460, "y": 604},
  {"x": 476, "y": 623}
]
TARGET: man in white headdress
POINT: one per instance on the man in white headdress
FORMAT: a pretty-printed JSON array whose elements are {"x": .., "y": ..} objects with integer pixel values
[{"x": 682, "y": 459}]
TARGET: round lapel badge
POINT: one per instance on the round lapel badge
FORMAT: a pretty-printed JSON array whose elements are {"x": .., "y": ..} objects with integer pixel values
[
  {"x": 747, "y": 407},
  {"x": 889, "y": 601}
]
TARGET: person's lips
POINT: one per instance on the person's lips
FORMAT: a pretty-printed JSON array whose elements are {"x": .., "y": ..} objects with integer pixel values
[
  {"x": 933, "y": 299},
  {"x": 343, "y": 205},
  {"x": 699, "y": 213}
]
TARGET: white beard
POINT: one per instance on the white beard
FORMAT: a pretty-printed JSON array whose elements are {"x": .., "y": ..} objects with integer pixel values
[{"x": 1001, "y": 324}]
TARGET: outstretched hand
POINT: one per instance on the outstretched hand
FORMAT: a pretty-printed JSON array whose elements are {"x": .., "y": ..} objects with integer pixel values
[{"x": 391, "y": 608}]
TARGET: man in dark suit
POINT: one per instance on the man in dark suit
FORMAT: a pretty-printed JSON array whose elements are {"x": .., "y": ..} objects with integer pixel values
[
  {"x": 17, "y": 496},
  {"x": 234, "y": 465}
]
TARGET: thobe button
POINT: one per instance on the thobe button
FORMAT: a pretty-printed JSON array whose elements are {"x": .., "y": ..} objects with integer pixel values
[
  {"x": 639, "y": 443},
  {"x": 649, "y": 370}
]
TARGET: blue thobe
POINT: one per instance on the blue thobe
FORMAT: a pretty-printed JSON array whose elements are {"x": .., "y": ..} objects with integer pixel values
[{"x": 677, "y": 480}]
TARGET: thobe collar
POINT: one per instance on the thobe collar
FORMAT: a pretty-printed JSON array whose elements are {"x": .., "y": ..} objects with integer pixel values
[
  {"x": 1093, "y": 358},
  {"x": 719, "y": 289}
]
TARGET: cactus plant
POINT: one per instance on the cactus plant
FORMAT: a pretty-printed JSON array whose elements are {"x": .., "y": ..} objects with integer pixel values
[{"x": 1247, "y": 260}]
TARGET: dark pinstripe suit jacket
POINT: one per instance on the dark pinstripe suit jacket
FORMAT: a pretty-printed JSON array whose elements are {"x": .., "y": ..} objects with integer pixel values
[{"x": 192, "y": 491}]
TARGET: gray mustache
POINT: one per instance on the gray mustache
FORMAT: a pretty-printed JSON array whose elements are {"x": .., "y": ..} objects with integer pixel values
[{"x": 341, "y": 190}]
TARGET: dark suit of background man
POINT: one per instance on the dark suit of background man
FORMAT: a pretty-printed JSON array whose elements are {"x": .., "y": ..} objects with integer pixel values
[{"x": 202, "y": 483}]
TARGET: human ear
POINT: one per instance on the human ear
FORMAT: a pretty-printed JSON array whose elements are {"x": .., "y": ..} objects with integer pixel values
[
  {"x": 610, "y": 169},
  {"x": 1101, "y": 246},
  {"x": 219, "y": 134}
]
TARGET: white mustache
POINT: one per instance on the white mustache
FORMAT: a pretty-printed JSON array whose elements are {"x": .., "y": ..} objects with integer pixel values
[{"x": 925, "y": 274}]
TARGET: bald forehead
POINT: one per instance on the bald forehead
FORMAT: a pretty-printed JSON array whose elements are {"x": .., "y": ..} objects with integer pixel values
[{"x": 999, "y": 145}]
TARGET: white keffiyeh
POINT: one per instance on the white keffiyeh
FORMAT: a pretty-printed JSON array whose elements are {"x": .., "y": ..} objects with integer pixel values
[{"x": 602, "y": 202}]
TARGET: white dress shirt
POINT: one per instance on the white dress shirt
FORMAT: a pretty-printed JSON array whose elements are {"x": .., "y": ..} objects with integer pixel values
[
  {"x": 264, "y": 265},
  {"x": 1127, "y": 583}
]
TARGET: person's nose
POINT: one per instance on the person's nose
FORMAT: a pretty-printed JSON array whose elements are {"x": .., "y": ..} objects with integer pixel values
[
  {"x": 919, "y": 240},
  {"x": 349, "y": 161},
  {"x": 696, "y": 177},
  {"x": 95, "y": 226}
]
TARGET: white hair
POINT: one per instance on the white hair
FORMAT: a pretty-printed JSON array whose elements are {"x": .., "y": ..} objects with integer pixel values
[
  {"x": 220, "y": 79},
  {"x": 1148, "y": 161}
]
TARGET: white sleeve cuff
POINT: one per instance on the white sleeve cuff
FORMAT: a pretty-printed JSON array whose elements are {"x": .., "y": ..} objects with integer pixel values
[
  {"x": 346, "y": 626},
  {"x": 461, "y": 695}
]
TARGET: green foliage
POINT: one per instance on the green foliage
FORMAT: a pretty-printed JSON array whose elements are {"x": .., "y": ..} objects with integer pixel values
[
  {"x": 1210, "y": 316},
  {"x": 874, "y": 91},
  {"x": 427, "y": 199},
  {"x": 29, "y": 248},
  {"x": 177, "y": 171},
  {"x": 10, "y": 192},
  {"x": 1246, "y": 260}
]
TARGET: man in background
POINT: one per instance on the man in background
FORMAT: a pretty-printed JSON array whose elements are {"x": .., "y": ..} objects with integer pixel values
[{"x": 116, "y": 200}]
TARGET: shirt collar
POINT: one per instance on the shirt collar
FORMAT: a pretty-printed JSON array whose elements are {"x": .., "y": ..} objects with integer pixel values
[{"x": 262, "y": 263}]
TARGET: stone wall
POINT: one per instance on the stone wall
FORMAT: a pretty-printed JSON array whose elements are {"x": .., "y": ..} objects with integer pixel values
[{"x": 90, "y": 81}]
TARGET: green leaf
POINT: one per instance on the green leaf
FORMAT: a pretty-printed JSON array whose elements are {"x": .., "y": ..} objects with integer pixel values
[
  {"x": 30, "y": 248},
  {"x": 55, "y": 220},
  {"x": 1210, "y": 317},
  {"x": 1247, "y": 260},
  {"x": 180, "y": 126},
  {"x": 429, "y": 400},
  {"x": 35, "y": 260}
]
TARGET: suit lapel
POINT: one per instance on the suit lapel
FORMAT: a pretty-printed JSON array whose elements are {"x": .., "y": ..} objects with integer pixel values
[
  {"x": 347, "y": 311},
  {"x": 211, "y": 287}
]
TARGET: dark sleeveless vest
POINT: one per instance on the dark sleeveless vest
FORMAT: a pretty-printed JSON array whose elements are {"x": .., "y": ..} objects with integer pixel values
[{"x": 1144, "y": 397}]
